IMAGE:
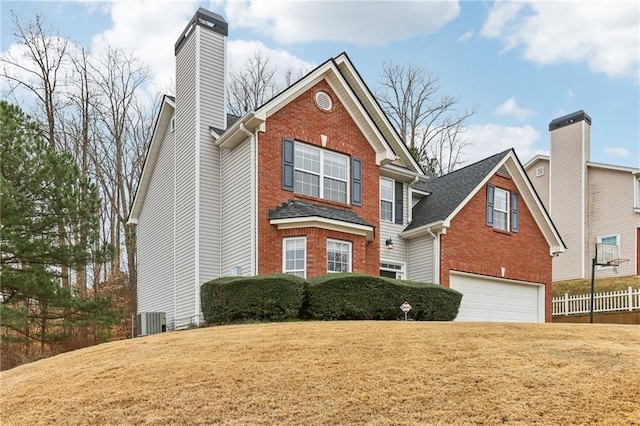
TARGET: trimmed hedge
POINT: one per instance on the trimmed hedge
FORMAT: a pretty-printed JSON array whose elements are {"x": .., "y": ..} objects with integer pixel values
[
  {"x": 349, "y": 296},
  {"x": 357, "y": 296},
  {"x": 260, "y": 298}
]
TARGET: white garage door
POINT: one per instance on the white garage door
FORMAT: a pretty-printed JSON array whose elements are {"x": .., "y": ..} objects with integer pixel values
[{"x": 498, "y": 300}]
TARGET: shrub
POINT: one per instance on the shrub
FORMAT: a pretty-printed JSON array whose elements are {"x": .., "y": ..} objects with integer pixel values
[
  {"x": 260, "y": 298},
  {"x": 357, "y": 296}
]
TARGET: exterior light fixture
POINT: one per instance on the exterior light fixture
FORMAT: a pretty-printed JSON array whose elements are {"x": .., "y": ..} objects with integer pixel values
[{"x": 389, "y": 244}]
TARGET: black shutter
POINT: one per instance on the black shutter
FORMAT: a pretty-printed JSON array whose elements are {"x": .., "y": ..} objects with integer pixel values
[
  {"x": 490, "y": 191},
  {"x": 356, "y": 182},
  {"x": 514, "y": 212},
  {"x": 398, "y": 202},
  {"x": 287, "y": 164}
]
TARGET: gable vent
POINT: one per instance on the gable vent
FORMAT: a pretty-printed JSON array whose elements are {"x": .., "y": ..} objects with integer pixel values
[{"x": 323, "y": 101}]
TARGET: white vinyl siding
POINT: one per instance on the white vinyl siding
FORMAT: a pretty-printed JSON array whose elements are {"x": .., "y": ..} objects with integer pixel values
[
  {"x": 294, "y": 256},
  {"x": 155, "y": 236},
  {"x": 185, "y": 171},
  {"x": 211, "y": 101},
  {"x": 610, "y": 193},
  {"x": 421, "y": 259},
  {"x": 236, "y": 211},
  {"x": 567, "y": 198},
  {"x": 391, "y": 230},
  {"x": 338, "y": 256}
]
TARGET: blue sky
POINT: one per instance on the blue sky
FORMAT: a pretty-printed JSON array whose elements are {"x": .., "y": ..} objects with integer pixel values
[{"x": 519, "y": 64}]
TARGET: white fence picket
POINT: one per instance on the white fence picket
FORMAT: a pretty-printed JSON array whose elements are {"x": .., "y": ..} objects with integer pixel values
[{"x": 613, "y": 301}]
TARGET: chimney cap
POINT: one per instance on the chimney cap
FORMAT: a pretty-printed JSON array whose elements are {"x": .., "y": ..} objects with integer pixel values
[
  {"x": 569, "y": 119},
  {"x": 205, "y": 19}
]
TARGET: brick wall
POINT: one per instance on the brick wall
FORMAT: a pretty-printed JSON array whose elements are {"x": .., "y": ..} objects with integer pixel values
[
  {"x": 472, "y": 246},
  {"x": 303, "y": 121}
]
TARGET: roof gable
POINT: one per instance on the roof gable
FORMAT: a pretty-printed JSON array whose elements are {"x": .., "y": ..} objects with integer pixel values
[
  {"x": 448, "y": 194},
  {"x": 163, "y": 120},
  {"x": 355, "y": 97}
]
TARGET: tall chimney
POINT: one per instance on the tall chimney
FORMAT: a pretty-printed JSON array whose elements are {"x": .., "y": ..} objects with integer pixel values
[
  {"x": 199, "y": 106},
  {"x": 570, "y": 146}
]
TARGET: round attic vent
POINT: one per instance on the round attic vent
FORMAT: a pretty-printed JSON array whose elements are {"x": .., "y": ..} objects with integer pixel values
[{"x": 323, "y": 101}]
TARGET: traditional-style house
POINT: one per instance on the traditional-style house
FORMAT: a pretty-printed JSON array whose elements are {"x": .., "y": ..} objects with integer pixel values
[
  {"x": 317, "y": 181},
  {"x": 589, "y": 202}
]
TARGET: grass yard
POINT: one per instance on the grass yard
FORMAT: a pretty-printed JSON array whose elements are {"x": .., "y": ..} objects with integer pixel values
[
  {"x": 360, "y": 372},
  {"x": 602, "y": 285}
]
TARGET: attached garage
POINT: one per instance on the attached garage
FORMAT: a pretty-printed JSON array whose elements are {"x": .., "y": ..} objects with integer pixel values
[{"x": 498, "y": 300}]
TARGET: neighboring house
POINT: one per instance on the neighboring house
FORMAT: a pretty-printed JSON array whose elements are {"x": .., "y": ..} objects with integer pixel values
[
  {"x": 318, "y": 181},
  {"x": 589, "y": 202}
]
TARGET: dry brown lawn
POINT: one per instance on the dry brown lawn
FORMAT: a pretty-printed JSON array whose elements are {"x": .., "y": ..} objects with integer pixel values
[{"x": 374, "y": 373}]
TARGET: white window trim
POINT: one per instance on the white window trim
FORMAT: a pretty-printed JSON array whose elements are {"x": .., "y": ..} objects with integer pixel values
[
  {"x": 284, "y": 256},
  {"x": 349, "y": 244},
  {"x": 602, "y": 237},
  {"x": 322, "y": 174},
  {"x": 540, "y": 171},
  {"x": 400, "y": 273},
  {"x": 508, "y": 211},
  {"x": 392, "y": 200}
]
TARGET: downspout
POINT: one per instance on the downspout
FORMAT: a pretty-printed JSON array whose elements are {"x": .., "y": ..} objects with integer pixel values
[
  {"x": 410, "y": 198},
  {"x": 436, "y": 256}
]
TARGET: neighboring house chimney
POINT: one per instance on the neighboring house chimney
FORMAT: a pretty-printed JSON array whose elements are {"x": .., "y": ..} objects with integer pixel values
[
  {"x": 200, "y": 105},
  {"x": 570, "y": 145}
]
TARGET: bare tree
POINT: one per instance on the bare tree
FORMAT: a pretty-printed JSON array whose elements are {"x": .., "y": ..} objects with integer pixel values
[
  {"x": 429, "y": 124},
  {"x": 251, "y": 87},
  {"x": 40, "y": 68}
]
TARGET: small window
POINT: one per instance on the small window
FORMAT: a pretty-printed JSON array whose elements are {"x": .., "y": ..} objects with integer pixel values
[
  {"x": 540, "y": 171},
  {"x": 173, "y": 124},
  {"x": 392, "y": 270},
  {"x": 501, "y": 209},
  {"x": 294, "y": 256},
  {"x": 610, "y": 240},
  {"x": 386, "y": 200},
  {"x": 338, "y": 256}
]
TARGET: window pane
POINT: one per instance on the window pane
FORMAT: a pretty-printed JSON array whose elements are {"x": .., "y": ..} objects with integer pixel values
[
  {"x": 386, "y": 210},
  {"x": 335, "y": 165},
  {"x": 500, "y": 220},
  {"x": 335, "y": 190},
  {"x": 613, "y": 240},
  {"x": 338, "y": 256},
  {"x": 307, "y": 158},
  {"x": 294, "y": 256},
  {"x": 307, "y": 183},
  {"x": 386, "y": 190},
  {"x": 500, "y": 200}
]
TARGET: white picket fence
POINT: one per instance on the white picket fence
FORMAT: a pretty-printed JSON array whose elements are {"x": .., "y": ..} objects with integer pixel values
[{"x": 613, "y": 301}]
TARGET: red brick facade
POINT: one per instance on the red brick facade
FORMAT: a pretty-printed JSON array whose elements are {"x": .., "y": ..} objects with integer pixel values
[
  {"x": 303, "y": 121},
  {"x": 471, "y": 246}
]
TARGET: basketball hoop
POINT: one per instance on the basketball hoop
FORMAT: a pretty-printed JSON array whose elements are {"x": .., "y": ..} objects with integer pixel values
[{"x": 616, "y": 263}]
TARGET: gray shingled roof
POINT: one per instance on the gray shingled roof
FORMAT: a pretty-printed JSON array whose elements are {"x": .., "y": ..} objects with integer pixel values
[
  {"x": 296, "y": 208},
  {"x": 448, "y": 191}
]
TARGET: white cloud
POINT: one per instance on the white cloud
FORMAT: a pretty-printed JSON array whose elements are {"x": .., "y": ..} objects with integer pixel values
[
  {"x": 362, "y": 22},
  {"x": 488, "y": 139},
  {"x": 466, "y": 36},
  {"x": 511, "y": 109},
  {"x": 149, "y": 29},
  {"x": 605, "y": 35},
  {"x": 570, "y": 95},
  {"x": 616, "y": 151}
]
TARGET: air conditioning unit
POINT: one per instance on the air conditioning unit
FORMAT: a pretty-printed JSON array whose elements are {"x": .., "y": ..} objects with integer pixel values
[{"x": 151, "y": 323}]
